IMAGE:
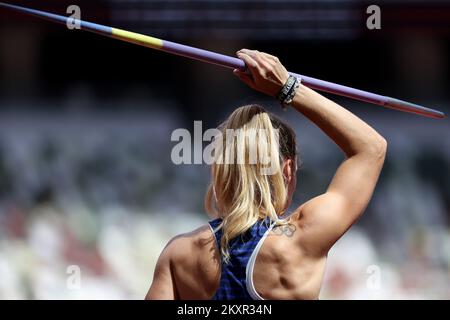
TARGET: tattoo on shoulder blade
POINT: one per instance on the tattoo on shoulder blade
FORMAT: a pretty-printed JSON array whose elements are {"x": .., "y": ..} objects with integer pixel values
[{"x": 288, "y": 230}]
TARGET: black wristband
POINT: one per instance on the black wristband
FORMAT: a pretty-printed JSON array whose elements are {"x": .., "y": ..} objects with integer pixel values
[
  {"x": 284, "y": 92},
  {"x": 291, "y": 93},
  {"x": 288, "y": 91}
]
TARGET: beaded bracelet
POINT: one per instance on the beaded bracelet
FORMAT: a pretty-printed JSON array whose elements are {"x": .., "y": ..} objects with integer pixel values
[{"x": 287, "y": 93}]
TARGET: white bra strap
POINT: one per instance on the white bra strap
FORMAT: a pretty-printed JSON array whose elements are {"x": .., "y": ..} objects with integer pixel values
[{"x": 251, "y": 265}]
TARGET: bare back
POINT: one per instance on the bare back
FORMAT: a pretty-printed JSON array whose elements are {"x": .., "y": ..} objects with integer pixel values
[{"x": 283, "y": 269}]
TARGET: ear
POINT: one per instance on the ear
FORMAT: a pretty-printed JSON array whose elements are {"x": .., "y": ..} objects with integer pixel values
[{"x": 288, "y": 170}]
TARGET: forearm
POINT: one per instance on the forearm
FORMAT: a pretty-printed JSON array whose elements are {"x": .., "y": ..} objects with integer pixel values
[{"x": 349, "y": 132}]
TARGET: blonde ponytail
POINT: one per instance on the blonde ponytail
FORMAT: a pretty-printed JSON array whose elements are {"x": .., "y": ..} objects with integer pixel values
[{"x": 245, "y": 187}]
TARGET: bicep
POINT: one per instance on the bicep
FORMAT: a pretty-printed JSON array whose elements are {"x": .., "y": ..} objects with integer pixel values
[
  {"x": 328, "y": 216},
  {"x": 162, "y": 287}
]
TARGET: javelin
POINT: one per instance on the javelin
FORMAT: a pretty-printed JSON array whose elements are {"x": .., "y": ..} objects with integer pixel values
[{"x": 228, "y": 62}]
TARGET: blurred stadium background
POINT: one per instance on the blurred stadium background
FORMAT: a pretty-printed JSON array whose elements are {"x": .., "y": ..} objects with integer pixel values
[{"x": 85, "y": 172}]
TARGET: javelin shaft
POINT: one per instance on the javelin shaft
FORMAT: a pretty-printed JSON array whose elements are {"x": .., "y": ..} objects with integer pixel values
[{"x": 229, "y": 62}]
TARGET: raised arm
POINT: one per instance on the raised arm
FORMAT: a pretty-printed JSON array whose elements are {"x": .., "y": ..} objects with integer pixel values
[
  {"x": 324, "y": 219},
  {"x": 327, "y": 217}
]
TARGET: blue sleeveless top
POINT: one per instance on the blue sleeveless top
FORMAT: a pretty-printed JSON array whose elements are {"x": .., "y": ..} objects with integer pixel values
[{"x": 236, "y": 277}]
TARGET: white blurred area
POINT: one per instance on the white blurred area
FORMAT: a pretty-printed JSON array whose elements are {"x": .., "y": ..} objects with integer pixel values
[
  {"x": 88, "y": 203},
  {"x": 357, "y": 271},
  {"x": 115, "y": 251}
]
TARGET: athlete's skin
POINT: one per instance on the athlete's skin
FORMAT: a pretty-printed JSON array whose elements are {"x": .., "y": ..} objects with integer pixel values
[{"x": 289, "y": 265}]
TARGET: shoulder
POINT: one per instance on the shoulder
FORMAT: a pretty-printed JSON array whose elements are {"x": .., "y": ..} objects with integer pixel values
[
  {"x": 317, "y": 222},
  {"x": 188, "y": 244},
  {"x": 184, "y": 257}
]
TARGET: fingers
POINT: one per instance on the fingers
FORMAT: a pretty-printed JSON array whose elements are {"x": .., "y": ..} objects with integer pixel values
[
  {"x": 256, "y": 64},
  {"x": 251, "y": 63},
  {"x": 270, "y": 57},
  {"x": 261, "y": 56},
  {"x": 267, "y": 74},
  {"x": 257, "y": 56}
]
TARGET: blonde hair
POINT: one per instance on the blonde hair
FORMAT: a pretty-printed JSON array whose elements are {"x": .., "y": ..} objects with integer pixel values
[{"x": 241, "y": 192}]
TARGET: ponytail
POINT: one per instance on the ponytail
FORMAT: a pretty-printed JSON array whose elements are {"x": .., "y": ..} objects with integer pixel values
[{"x": 247, "y": 178}]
